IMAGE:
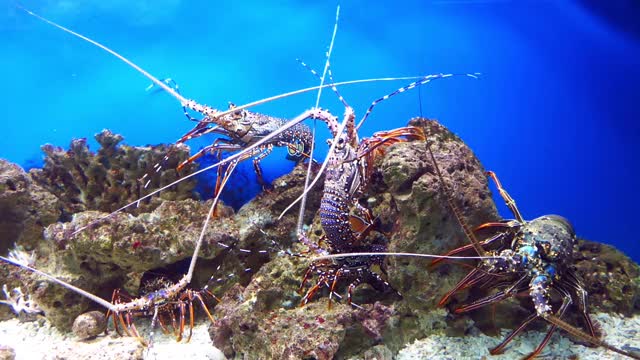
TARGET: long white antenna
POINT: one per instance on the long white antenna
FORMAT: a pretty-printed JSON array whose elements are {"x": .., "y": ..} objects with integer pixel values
[
  {"x": 346, "y": 255},
  {"x": 303, "y": 203},
  {"x": 88, "y": 295}
]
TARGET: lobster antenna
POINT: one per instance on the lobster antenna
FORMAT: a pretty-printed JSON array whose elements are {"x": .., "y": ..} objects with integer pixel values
[
  {"x": 190, "y": 103},
  {"x": 447, "y": 192},
  {"x": 77, "y": 290},
  {"x": 305, "y": 115},
  {"x": 205, "y": 110},
  {"x": 582, "y": 335},
  {"x": 303, "y": 202},
  {"x": 423, "y": 81},
  {"x": 356, "y": 254},
  {"x": 328, "y": 55},
  {"x": 196, "y": 250},
  {"x": 161, "y": 84},
  {"x": 184, "y": 101},
  {"x": 314, "y": 88},
  {"x": 426, "y": 79},
  {"x": 339, "y": 131}
]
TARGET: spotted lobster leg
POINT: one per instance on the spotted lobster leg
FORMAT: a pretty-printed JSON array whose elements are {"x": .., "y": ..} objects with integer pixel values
[
  {"x": 512, "y": 290},
  {"x": 473, "y": 277},
  {"x": 511, "y": 204}
]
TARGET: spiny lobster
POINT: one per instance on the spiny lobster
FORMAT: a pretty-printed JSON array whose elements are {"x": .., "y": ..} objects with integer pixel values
[
  {"x": 349, "y": 169},
  {"x": 526, "y": 257},
  {"x": 241, "y": 129}
]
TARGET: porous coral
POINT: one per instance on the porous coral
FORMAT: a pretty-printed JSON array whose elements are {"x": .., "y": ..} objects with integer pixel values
[{"x": 112, "y": 177}]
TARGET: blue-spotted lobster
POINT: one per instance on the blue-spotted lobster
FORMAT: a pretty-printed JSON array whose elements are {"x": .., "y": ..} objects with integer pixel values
[{"x": 532, "y": 258}]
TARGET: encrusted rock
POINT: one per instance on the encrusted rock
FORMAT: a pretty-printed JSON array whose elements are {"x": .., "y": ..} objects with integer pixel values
[
  {"x": 25, "y": 209},
  {"x": 259, "y": 316},
  {"x": 610, "y": 277},
  {"x": 425, "y": 223},
  {"x": 103, "y": 257},
  {"x": 378, "y": 352},
  {"x": 89, "y": 325},
  {"x": 118, "y": 251}
]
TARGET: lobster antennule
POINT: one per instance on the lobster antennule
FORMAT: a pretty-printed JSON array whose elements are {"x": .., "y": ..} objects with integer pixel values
[{"x": 465, "y": 227}]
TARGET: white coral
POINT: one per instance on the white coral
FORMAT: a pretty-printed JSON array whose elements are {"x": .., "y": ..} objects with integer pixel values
[
  {"x": 19, "y": 302},
  {"x": 19, "y": 255}
]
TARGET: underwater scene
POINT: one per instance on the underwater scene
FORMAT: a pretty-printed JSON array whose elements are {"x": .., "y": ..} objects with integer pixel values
[{"x": 442, "y": 179}]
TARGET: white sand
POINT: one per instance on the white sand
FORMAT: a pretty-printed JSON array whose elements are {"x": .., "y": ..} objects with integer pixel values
[
  {"x": 620, "y": 331},
  {"x": 38, "y": 340}
]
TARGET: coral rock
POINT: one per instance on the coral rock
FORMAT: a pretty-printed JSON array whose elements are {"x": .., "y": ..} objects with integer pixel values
[
  {"x": 610, "y": 277},
  {"x": 7, "y": 353},
  {"x": 25, "y": 209},
  {"x": 113, "y": 177}
]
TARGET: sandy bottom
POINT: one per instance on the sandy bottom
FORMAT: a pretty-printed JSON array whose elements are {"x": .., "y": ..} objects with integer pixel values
[
  {"x": 620, "y": 331},
  {"x": 38, "y": 340}
]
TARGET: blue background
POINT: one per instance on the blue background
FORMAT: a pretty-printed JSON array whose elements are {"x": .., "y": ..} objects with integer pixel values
[{"x": 555, "y": 112}]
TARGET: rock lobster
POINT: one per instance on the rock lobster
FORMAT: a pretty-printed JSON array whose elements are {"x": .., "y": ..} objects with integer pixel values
[{"x": 526, "y": 257}]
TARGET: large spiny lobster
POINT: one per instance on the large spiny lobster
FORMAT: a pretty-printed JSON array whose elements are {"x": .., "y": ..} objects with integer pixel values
[
  {"x": 526, "y": 257},
  {"x": 348, "y": 171}
]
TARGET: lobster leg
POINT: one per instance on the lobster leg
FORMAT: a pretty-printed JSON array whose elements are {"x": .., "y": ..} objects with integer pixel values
[
  {"x": 566, "y": 301},
  {"x": 500, "y": 348},
  {"x": 581, "y": 294},
  {"x": 199, "y": 297},
  {"x": 499, "y": 296},
  {"x": 472, "y": 277},
  {"x": 220, "y": 144},
  {"x": 312, "y": 292},
  {"x": 387, "y": 138},
  {"x": 256, "y": 165},
  {"x": 351, "y": 287},
  {"x": 511, "y": 204},
  {"x": 190, "y": 316},
  {"x": 174, "y": 323},
  {"x": 161, "y": 321},
  {"x": 337, "y": 276},
  {"x": 501, "y": 224}
]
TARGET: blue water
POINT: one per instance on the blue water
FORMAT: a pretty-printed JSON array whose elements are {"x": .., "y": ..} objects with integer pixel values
[{"x": 554, "y": 114}]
